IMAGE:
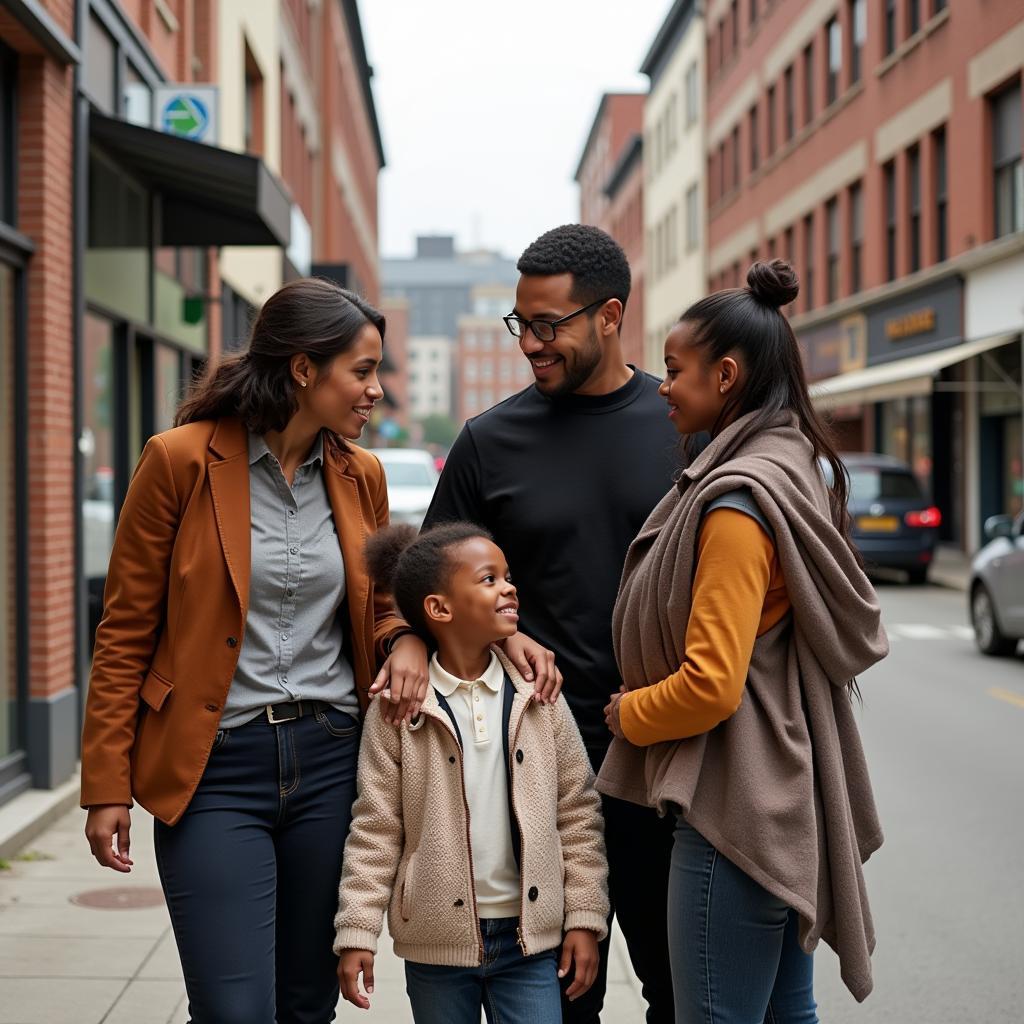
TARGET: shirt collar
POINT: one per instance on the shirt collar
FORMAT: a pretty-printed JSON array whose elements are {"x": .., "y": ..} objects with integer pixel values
[
  {"x": 446, "y": 684},
  {"x": 258, "y": 449}
]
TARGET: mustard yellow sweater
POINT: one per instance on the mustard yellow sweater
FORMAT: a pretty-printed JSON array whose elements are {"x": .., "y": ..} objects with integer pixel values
[{"x": 738, "y": 594}]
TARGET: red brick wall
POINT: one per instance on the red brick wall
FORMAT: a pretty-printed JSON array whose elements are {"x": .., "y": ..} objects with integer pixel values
[
  {"x": 45, "y": 106},
  {"x": 882, "y": 93},
  {"x": 626, "y": 225}
]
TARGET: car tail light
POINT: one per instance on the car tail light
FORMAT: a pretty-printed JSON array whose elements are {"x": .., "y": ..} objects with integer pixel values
[{"x": 930, "y": 517}]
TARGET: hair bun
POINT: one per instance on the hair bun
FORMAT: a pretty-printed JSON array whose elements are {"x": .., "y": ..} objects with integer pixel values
[{"x": 773, "y": 282}]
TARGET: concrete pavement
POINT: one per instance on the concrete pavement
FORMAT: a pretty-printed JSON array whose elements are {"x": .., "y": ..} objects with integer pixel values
[{"x": 64, "y": 962}]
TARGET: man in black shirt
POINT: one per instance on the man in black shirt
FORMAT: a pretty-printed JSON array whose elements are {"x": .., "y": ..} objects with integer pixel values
[{"x": 563, "y": 475}]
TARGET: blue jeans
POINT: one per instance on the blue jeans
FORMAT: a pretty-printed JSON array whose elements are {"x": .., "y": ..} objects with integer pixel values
[
  {"x": 511, "y": 988},
  {"x": 250, "y": 872},
  {"x": 735, "y": 954}
]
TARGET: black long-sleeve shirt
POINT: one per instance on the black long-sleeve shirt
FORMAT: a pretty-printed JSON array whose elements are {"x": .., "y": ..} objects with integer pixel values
[{"x": 564, "y": 486}]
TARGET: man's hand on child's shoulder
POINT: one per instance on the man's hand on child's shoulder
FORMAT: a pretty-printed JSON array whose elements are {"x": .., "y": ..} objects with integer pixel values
[
  {"x": 351, "y": 964},
  {"x": 579, "y": 947}
]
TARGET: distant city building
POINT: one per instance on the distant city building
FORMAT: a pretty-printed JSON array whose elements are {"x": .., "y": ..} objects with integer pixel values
[
  {"x": 489, "y": 365},
  {"x": 438, "y": 282},
  {"x": 878, "y": 147},
  {"x": 394, "y": 376},
  {"x": 610, "y": 179},
  {"x": 673, "y": 157},
  {"x": 430, "y": 376}
]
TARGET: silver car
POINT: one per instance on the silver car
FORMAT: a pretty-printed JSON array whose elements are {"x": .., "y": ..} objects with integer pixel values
[{"x": 997, "y": 587}]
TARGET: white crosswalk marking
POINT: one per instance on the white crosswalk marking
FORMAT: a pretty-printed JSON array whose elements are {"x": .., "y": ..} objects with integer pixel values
[{"x": 924, "y": 631}]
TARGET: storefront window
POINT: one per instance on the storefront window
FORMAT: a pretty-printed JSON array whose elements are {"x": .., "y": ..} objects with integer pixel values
[
  {"x": 96, "y": 446},
  {"x": 117, "y": 260},
  {"x": 168, "y": 387},
  {"x": 180, "y": 275},
  {"x": 9, "y": 717}
]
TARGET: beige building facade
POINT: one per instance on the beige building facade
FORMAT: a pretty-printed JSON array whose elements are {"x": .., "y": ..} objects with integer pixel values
[{"x": 674, "y": 202}]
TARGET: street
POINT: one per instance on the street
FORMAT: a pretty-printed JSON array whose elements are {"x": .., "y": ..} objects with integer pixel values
[
  {"x": 943, "y": 729},
  {"x": 944, "y": 732}
]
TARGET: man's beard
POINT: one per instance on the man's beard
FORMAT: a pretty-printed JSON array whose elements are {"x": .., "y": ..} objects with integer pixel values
[{"x": 584, "y": 362}]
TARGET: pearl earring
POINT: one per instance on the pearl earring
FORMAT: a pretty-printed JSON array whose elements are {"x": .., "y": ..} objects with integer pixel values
[{"x": 303, "y": 383}]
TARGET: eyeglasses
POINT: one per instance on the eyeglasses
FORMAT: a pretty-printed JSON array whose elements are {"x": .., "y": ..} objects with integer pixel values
[{"x": 543, "y": 330}]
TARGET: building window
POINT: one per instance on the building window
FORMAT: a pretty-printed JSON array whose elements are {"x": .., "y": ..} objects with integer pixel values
[
  {"x": 735, "y": 15},
  {"x": 858, "y": 34},
  {"x": 136, "y": 97},
  {"x": 8, "y": 135},
  {"x": 692, "y": 219},
  {"x": 721, "y": 170},
  {"x": 755, "y": 139},
  {"x": 941, "y": 196},
  {"x": 1007, "y": 168},
  {"x": 856, "y": 237},
  {"x": 808, "y": 83},
  {"x": 770, "y": 115},
  {"x": 914, "y": 204},
  {"x": 889, "y": 179},
  {"x": 100, "y": 66},
  {"x": 834, "y": 34},
  {"x": 692, "y": 94},
  {"x": 753, "y": 11},
  {"x": 890, "y": 26},
  {"x": 809, "y": 262},
  {"x": 736, "y": 157},
  {"x": 937, "y": 6},
  {"x": 832, "y": 229},
  {"x": 789, "y": 99},
  {"x": 913, "y": 16}
]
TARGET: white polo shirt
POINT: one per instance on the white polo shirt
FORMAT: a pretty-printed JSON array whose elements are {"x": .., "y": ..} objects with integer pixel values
[{"x": 477, "y": 706}]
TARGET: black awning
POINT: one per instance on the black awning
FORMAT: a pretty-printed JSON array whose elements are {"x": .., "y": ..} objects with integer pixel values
[{"x": 211, "y": 196}]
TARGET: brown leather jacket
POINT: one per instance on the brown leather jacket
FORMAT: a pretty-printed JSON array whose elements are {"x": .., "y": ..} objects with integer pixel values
[{"x": 175, "y": 604}]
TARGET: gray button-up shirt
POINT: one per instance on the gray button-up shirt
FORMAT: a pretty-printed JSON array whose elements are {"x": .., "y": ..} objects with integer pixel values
[{"x": 292, "y": 648}]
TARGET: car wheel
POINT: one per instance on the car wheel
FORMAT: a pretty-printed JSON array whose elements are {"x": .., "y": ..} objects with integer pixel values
[
  {"x": 987, "y": 635},
  {"x": 918, "y": 576}
]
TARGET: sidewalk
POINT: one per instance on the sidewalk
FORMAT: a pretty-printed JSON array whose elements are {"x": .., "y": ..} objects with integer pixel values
[{"x": 65, "y": 962}]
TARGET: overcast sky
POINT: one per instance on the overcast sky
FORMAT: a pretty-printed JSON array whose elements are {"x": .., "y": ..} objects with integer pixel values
[{"x": 484, "y": 106}]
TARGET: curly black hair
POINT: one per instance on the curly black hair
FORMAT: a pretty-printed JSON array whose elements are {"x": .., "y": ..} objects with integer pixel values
[
  {"x": 596, "y": 261},
  {"x": 411, "y": 566}
]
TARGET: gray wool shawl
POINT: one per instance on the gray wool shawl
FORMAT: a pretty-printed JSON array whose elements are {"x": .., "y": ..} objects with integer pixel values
[{"x": 781, "y": 787}]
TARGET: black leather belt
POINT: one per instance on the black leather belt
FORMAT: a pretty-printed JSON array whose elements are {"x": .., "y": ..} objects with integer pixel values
[{"x": 289, "y": 710}]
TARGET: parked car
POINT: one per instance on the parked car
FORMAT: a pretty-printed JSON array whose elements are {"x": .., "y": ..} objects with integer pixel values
[
  {"x": 894, "y": 525},
  {"x": 996, "y": 594},
  {"x": 411, "y": 481}
]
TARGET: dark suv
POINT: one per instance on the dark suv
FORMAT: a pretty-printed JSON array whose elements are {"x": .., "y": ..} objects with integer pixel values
[{"x": 894, "y": 525}]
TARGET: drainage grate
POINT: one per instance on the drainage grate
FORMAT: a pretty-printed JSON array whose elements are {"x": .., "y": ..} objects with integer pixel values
[{"x": 124, "y": 898}]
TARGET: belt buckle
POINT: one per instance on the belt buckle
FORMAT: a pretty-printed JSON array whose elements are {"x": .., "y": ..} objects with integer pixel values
[{"x": 280, "y": 721}]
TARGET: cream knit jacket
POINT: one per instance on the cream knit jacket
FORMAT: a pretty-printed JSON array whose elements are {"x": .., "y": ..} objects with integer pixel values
[{"x": 409, "y": 850}]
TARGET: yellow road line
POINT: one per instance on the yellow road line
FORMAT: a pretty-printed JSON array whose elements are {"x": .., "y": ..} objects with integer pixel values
[{"x": 1008, "y": 695}]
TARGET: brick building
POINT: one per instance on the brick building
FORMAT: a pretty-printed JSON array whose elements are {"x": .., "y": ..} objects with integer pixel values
[
  {"x": 489, "y": 365},
  {"x": 878, "y": 147},
  {"x": 610, "y": 179},
  {"x": 112, "y": 238}
]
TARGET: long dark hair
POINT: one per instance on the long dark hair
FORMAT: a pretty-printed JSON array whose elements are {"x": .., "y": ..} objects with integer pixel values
[
  {"x": 750, "y": 321},
  {"x": 311, "y": 316}
]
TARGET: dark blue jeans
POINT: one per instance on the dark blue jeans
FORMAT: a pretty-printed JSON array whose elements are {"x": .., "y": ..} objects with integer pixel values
[
  {"x": 735, "y": 954},
  {"x": 511, "y": 988},
  {"x": 250, "y": 872}
]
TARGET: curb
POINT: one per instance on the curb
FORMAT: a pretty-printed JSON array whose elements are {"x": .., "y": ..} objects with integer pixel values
[{"x": 32, "y": 812}]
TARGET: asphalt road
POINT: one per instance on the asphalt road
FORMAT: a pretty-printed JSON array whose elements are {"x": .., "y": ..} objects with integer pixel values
[{"x": 944, "y": 731}]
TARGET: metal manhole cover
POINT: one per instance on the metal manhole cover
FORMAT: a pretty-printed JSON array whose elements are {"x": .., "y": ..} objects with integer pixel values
[{"x": 124, "y": 898}]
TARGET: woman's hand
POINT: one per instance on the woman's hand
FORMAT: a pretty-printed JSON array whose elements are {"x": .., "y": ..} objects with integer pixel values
[
  {"x": 105, "y": 823},
  {"x": 536, "y": 664},
  {"x": 611, "y": 713},
  {"x": 352, "y": 963},
  {"x": 402, "y": 682},
  {"x": 580, "y": 946}
]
